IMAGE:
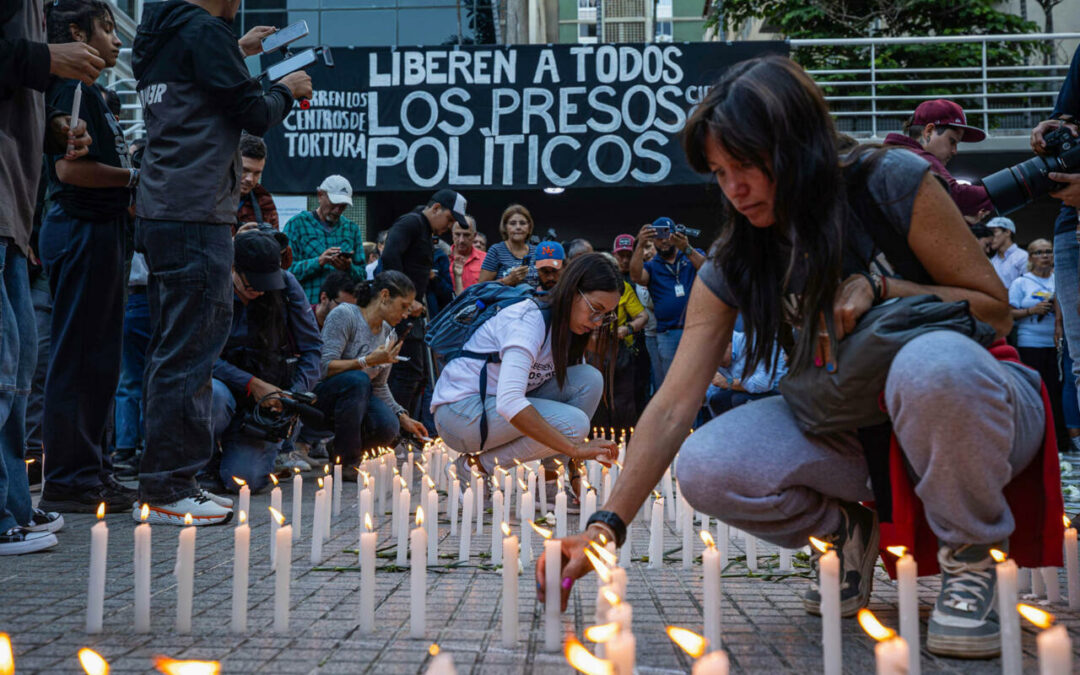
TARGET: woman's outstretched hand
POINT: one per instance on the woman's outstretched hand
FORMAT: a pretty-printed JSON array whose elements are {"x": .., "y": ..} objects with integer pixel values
[
  {"x": 600, "y": 449},
  {"x": 574, "y": 566}
]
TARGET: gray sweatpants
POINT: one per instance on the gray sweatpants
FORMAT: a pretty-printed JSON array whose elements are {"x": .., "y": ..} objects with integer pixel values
[
  {"x": 967, "y": 424},
  {"x": 568, "y": 409}
]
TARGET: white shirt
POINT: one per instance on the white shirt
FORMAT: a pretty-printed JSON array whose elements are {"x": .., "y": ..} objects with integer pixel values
[
  {"x": 519, "y": 336},
  {"x": 1028, "y": 291},
  {"x": 1012, "y": 266}
]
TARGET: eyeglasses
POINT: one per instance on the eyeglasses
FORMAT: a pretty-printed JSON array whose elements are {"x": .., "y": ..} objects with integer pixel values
[
  {"x": 1042, "y": 252},
  {"x": 603, "y": 318}
]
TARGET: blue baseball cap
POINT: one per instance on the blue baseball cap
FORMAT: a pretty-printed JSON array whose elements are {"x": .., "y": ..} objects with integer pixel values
[
  {"x": 664, "y": 221},
  {"x": 549, "y": 254}
]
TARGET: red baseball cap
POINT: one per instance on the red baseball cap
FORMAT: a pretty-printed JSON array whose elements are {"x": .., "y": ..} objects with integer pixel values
[
  {"x": 944, "y": 113},
  {"x": 623, "y": 242}
]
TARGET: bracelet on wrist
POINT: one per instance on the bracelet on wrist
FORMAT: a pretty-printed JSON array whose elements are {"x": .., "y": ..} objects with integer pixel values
[
  {"x": 362, "y": 361},
  {"x": 612, "y": 521}
]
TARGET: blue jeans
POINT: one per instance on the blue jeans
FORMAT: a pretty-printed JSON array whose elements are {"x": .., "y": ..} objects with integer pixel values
[
  {"x": 569, "y": 410},
  {"x": 360, "y": 421},
  {"x": 1067, "y": 287},
  {"x": 35, "y": 405},
  {"x": 85, "y": 264},
  {"x": 18, "y": 352},
  {"x": 242, "y": 455},
  {"x": 129, "y": 408},
  {"x": 667, "y": 344},
  {"x": 191, "y": 298},
  {"x": 655, "y": 367}
]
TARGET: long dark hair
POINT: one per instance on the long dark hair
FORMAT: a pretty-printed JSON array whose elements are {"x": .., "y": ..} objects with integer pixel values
[
  {"x": 61, "y": 14},
  {"x": 397, "y": 283},
  {"x": 586, "y": 273},
  {"x": 768, "y": 112}
]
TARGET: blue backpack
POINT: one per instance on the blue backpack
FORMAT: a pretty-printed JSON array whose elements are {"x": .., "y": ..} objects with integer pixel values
[{"x": 455, "y": 324}]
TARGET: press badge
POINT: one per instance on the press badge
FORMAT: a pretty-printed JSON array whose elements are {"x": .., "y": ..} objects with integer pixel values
[{"x": 679, "y": 290}]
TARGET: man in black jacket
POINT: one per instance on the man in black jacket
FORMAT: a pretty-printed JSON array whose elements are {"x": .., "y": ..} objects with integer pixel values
[
  {"x": 197, "y": 98},
  {"x": 409, "y": 249}
]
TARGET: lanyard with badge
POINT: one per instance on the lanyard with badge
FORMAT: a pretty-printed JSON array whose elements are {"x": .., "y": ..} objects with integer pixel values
[{"x": 680, "y": 290}]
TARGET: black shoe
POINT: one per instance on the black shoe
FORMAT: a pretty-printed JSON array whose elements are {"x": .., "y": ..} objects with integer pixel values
[
  {"x": 856, "y": 543},
  {"x": 86, "y": 500},
  {"x": 210, "y": 482},
  {"x": 19, "y": 540},
  {"x": 964, "y": 623},
  {"x": 114, "y": 486}
]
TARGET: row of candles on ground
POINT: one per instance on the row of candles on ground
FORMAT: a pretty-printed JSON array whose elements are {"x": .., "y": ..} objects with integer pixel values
[{"x": 94, "y": 664}]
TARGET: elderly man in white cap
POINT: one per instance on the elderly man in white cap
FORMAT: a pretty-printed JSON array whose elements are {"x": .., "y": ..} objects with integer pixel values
[
  {"x": 1009, "y": 260},
  {"x": 324, "y": 240}
]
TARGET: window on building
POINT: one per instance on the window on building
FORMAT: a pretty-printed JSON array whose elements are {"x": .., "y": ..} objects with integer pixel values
[{"x": 664, "y": 31}]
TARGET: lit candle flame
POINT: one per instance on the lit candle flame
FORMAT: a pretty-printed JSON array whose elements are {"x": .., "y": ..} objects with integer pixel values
[
  {"x": 30, "y": 461},
  {"x": 542, "y": 531},
  {"x": 239, "y": 481},
  {"x": 598, "y": 564},
  {"x": 430, "y": 483},
  {"x": 505, "y": 529},
  {"x": 689, "y": 641},
  {"x": 296, "y": 470},
  {"x": 707, "y": 539},
  {"x": 337, "y": 460},
  {"x": 326, "y": 469},
  {"x": 583, "y": 660},
  {"x": 873, "y": 627},
  {"x": 277, "y": 515},
  {"x": 274, "y": 478},
  {"x": 1040, "y": 618},
  {"x": 367, "y": 522},
  {"x": 820, "y": 545},
  {"x": 1065, "y": 519},
  {"x": 611, "y": 596},
  {"x": 101, "y": 510},
  {"x": 998, "y": 556},
  {"x": 144, "y": 512},
  {"x": 92, "y": 662},
  {"x": 898, "y": 551},
  {"x": 656, "y": 496},
  {"x": 421, "y": 467},
  {"x": 187, "y": 519},
  {"x": 419, "y": 516},
  {"x": 602, "y": 633},
  {"x": 320, "y": 482},
  {"x": 7, "y": 656},
  {"x": 173, "y": 667},
  {"x": 243, "y": 516},
  {"x": 433, "y": 649},
  {"x": 522, "y": 485},
  {"x": 607, "y": 556},
  {"x": 403, "y": 483},
  {"x": 367, "y": 478}
]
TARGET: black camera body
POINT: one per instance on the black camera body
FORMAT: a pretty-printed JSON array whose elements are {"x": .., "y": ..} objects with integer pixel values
[
  {"x": 272, "y": 426},
  {"x": 550, "y": 236},
  {"x": 663, "y": 232},
  {"x": 1017, "y": 186}
]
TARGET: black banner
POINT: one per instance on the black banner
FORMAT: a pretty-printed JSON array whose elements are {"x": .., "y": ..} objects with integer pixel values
[{"x": 494, "y": 117}]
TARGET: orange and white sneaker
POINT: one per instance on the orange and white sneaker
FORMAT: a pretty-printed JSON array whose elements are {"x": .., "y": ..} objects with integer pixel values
[{"x": 203, "y": 510}]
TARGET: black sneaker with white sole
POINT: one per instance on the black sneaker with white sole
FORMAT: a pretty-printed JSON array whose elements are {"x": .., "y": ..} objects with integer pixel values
[
  {"x": 61, "y": 500},
  {"x": 856, "y": 543},
  {"x": 964, "y": 623},
  {"x": 19, "y": 540},
  {"x": 43, "y": 521}
]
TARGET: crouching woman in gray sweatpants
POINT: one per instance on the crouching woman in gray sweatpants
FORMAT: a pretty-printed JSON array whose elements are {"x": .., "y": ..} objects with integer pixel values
[
  {"x": 539, "y": 396},
  {"x": 793, "y": 250}
]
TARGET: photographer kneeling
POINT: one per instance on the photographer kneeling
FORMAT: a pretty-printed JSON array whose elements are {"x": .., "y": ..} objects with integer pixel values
[
  {"x": 273, "y": 344},
  {"x": 538, "y": 396},
  {"x": 359, "y": 348}
]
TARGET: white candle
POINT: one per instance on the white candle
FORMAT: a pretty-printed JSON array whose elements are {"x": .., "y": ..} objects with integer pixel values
[
  {"x": 552, "y": 594},
  {"x": 680, "y": 508},
  {"x": 337, "y": 488},
  {"x": 588, "y": 508},
  {"x": 297, "y": 504},
  {"x": 185, "y": 576},
  {"x": 656, "y": 535},
  {"x": 688, "y": 539},
  {"x": 395, "y": 504},
  {"x": 785, "y": 559},
  {"x": 316, "y": 526},
  {"x": 723, "y": 537},
  {"x": 907, "y": 574},
  {"x": 418, "y": 578},
  {"x": 621, "y": 651},
  {"x": 367, "y": 500},
  {"x": 560, "y": 512},
  {"x": 241, "y": 552},
  {"x": 478, "y": 507},
  {"x": 1012, "y": 655},
  {"x": 496, "y": 536},
  {"x": 382, "y": 474},
  {"x": 751, "y": 552},
  {"x": 1072, "y": 567},
  {"x": 510, "y": 589},
  {"x": 1055, "y": 651},
  {"x": 282, "y": 576},
  {"x": 1023, "y": 580},
  {"x": 508, "y": 500},
  {"x": 95, "y": 593},
  {"x": 404, "y": 499},
  {"x": 142, "y": 573},
  {"x": 368, "y": 540},
  {"x": 466, "y": 526},
  {"x": 452, "y": 504},
  {"x": 441, "y": 664},
  {"x": 665, "y": 492},
  {"x": 713, "y": 663},
  {"x": 406, "y": 471},
  {"x": 275, "y": 501},
  {"x": 244, "y": 502},
  {"x": 329, "y": 488},
  {"x": 829, "y": 565},
  {"x": 431, "y": 511},
  {"x": 542, "y": 482},
  {"x": 1050, "y": 581},
  {"x": 711, "y": 606},
  {"x": 526, "y": 530},
  {"x": 891, "y": 657},
  {"x": 1038, "y": 586},
  {"x": 606, "y": 472}
]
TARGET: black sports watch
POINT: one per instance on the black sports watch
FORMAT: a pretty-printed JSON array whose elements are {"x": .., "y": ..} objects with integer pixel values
[{"x": 613, "y": 521}]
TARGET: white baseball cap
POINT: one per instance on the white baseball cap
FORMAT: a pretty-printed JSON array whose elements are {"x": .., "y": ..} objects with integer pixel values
[
  {"x": 337, "y": 189},
  {"x": 1002, "y": 222}
]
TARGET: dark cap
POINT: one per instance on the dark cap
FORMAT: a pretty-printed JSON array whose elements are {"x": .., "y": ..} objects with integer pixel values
[
  {"x": 944, "y": 113},
  {"x": 452, "y": 200},
  {"x": 257, "y": 255}
]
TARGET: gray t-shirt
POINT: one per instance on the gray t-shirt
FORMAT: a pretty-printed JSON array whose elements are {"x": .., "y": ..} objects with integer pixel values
[
  {"x": 893, "y": 183},
  {"x": 347, "y": 335}
]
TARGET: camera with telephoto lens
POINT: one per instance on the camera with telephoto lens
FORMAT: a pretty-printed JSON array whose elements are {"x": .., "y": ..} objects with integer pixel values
[
  {"x": 1017, "y": 186},
  {"x": 663, "y": 232},
  {"x": 549, "y": 236},
  {"x": 270, "y": 425}
]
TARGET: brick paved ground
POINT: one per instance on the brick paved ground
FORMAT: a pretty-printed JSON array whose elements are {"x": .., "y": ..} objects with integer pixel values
[{"x": 42, "y": 607}]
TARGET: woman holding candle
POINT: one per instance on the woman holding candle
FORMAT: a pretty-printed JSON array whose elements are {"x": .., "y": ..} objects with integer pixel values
[
  {"x": 796, "y": 252},
  {"x": 537, "y": 398}
]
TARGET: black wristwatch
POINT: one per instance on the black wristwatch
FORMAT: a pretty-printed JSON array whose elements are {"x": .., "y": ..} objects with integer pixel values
[{"x": 613, "y": 521}]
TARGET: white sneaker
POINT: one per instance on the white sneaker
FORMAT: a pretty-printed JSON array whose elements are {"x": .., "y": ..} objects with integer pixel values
[
  {"x": 225, "y": 502},
  {"x": 203, "y": 510},
  {"x": 19, "y": 540},
  {"x": 45, "y": 521}
]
